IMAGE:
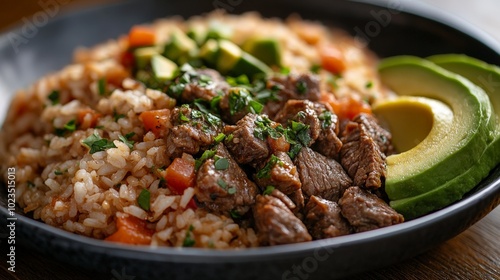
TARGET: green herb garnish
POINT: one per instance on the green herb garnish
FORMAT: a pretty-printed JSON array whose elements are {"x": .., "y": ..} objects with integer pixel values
[
  {"x": 189, "y": 238},
  {"x": 221, "y": 164},
  {"x": 206, "y": 155},
  {"x": 54, "y": 97},
  {"x": 265, "y": 172},
  {"x": 117, "y": 116},
  {"x": 97, "y": 144},
  {"x": 255, "y": 107},
  {"x": 326, "y": 118},
  {"x": 301, "y": 87},
  {"x": 268, "y": 190},
  {"x": 101, "y": 84},
  {"x": 369, "y": 84},
  {"x": 144, "y": 199},
  {"x": 315, "y": 68},
  {"x": 58, "y": 172},
  {"x": 219, "y": 138},
  {"x": 129, "y": 143},
  {"x": 234, "y": 214}
]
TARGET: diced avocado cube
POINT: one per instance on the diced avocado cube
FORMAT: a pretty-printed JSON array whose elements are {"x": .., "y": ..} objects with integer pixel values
[
  {"x": 218, "y": 30},
  {"x": 163, "y": 68},
  {"x": 267, "y": 50},
  {"x": 229, "y": 55},
  {"x": 250, "y": 66},
  {"x": 143, "y": 56},
  {"x": 198, "y": 33},
  {"x": 210, "y": 51},
  {"x": 180, "y": 47}
]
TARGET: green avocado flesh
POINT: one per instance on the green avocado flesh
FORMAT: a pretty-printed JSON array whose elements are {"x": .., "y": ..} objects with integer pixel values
[{"x": 413, "y": 174}]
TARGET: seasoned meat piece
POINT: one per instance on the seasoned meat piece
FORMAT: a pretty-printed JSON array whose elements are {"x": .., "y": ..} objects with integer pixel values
[
  {"x": 224, "y": 189},
  {"x": 293, "y": 86},
  {"x": 381, "y": 136},
  {"x": 323, "y": 124},
  {"x": 321, "y": 176},
  {"x": 300, "y": 111},
  {"x": 323, "y": 219},
  {"x": 199, "y": 84},
  {"x": 192, "y": 131},
  {"x": 280, "y": 172},
  {"x": 361, "y": 156},
  {"x": 244, "y": 146},
  {"x": 275, "y": 222},
  {"x": 365, "y": 211}
]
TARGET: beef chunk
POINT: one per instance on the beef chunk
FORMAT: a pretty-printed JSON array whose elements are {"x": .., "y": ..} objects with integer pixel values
[
  {"x": 275, "y": 222},
  {"x": 280, "y": 172},
  {"x": 224, "y": 190},
  {"x": 293, "y": 86},
  {"x": 198, "y": 84},
  {"x": 321, "y": 176},
  {"x": 322, "y": 122},
  {"x": 191, "y": 131},
  {"x": 365, "y": 211},
  {"x": 381, "y": 136},
  {"x": 323, "y": 219},
  {"x": 243, "y": 145},
  {"x": 361, "y": 155}
]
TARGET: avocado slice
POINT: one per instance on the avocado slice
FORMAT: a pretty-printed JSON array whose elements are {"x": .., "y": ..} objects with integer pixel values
[
  {"x": 198, "y": 33},
  {"x": 267, "y": 50},
  {"x": 429, "y": 119},
  {"x": 143, "y": 56},
  {"x": 210, "y": 51},
  {"x": 427, "y": 167},
  {"x": 163, "y": 68},
  {"x": 232, "y": 60},
  {"x": 180, "y": 48}
]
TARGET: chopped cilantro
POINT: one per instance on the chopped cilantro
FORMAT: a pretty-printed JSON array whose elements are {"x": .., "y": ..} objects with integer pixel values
[
  {"x": 54, "y": 97},
  {"x": 195, "y": 114},
  {"x": 238, "y": 100},
  {"x": 130, "y": 135},
  {"x": 213, "y": 119},
  {"x": 68, "y": 127},
  {"x": 234, "y": 214},
  {"x": 189, "y": 238},
  {"x": 265, "y": 172},
  {"x": 183, "y": 117},
  {"x": 241, "y": 80},
  {"x": 117, "y": 116},
  {"x": 129, "y": 143},
  {"x": 255, "y": 107},
  {"x": 294, "y": 150},
  {"x": 285, "y": 70},
  {"x": 315, "y": 68},
  {"x": 263, "y": 128},
  {"x": 326, "y": 118},
  {"x": 206, "y": 155},
  {"x": 301, "y": 87},
  {"x": 144, "y": 199},
  {"x": 221, "y": 164},
  {"x": 58, "y": 172},
  {"x": 369, "y": 84},
  {"x": 97, "y": 144},
  {"x": 101, "y": 84},
  {"x": 268, "y": 190},
  {"x": 222, "y": 183}
]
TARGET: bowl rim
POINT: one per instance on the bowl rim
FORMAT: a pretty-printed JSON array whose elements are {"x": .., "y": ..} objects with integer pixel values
[{"x": 199, "y": 255}]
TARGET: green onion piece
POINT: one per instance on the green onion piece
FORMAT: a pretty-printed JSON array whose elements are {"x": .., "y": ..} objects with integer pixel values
[
  {"x": 255, "y": 107},
  {"x": 144, "y": 199},
  {"x": 71, "y": 125},
  {"x": 206, "y": 155},
  {"x": 101, "y": 84},
  {"x": 222, "y": 183},
  {"x": 231, "y": 190},
  {"x": 219, "y": 138}
]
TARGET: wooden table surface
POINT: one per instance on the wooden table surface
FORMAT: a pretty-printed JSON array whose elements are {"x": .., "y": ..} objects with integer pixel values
[{"x": 474, "y": 254}]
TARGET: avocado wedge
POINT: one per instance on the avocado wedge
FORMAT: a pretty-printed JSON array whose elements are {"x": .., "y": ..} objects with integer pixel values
[{"x": 427, "y": 167}]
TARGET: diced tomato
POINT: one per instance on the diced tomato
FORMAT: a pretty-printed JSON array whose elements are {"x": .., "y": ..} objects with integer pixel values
[
  {"x": 332, "y": 59},
  {"x": 192, "y": 204},
  {"x": 278, "y": 145},
  {"x": 131, "y": 230},
  {"x": 141, "y": 36},
  {"x": 156, "y": 121},
  {"x": 349, "y": 107},
  {"x": 180, "y": 175},
  {"x": 93, "y": 121}
]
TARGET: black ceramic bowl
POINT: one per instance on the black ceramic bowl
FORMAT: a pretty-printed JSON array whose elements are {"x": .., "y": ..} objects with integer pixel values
[{"x": 397, "y": 28}]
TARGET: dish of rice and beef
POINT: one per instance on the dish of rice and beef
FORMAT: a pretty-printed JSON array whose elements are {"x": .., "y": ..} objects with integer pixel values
[{"x": 219, "y": 131}]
